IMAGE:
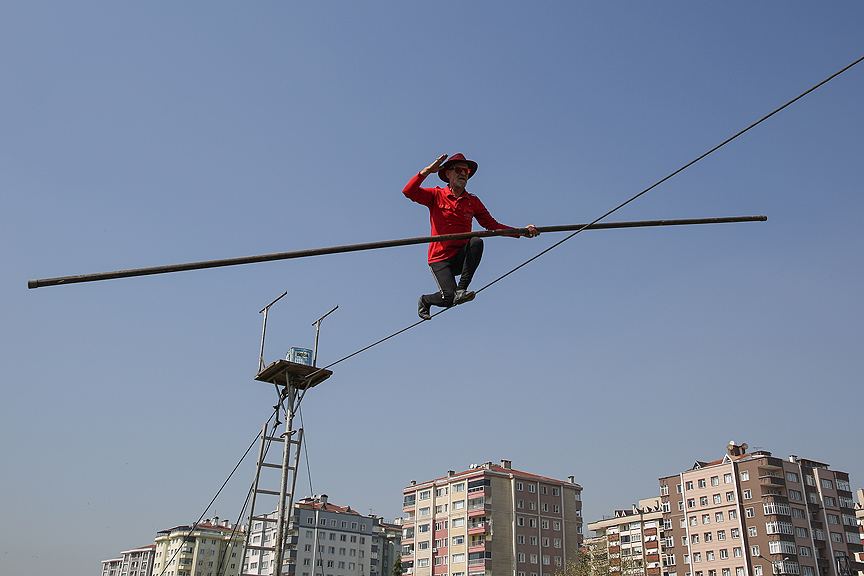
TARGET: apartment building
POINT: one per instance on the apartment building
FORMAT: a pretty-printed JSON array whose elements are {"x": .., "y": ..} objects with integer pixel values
[
  {"x": 859, "y": 514},
  {"x": 490, "y": 519},
  {"x": 212, "y": 548},
  {"x": 389, "y": 544},
  {"x": 629, "y": 541},
  {"x": 325, "y": 540},
  {"x": 137, "y": 562},
  {"x": 754, "y": 514}
]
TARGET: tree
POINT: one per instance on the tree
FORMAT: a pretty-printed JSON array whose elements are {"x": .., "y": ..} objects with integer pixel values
[
  {"x": 397, "y": 566},
  {"x": 595, "y": 561}
]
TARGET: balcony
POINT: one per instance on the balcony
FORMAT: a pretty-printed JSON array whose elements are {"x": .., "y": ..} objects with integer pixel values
[
  {"x": 772, "y": 480},
  {"x": 478, "y": 527},
  {"x": 477, "y": 546}
]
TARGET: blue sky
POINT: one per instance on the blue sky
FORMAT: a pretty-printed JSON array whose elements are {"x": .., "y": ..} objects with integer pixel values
[{"x": 143, "y": 134}]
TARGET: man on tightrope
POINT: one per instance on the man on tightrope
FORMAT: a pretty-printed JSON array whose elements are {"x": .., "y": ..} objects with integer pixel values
[{"x": 451, "y": 211}]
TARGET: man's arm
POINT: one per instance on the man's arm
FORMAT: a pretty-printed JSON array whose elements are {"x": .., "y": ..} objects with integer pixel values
[
  {"x": 413, "y": 191},
  {"x": 488, "y": 222},
  {"x": 434, "y": 167}
]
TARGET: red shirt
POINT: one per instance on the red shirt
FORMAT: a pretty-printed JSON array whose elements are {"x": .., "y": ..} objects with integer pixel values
[{"x": 449, "y": 215}]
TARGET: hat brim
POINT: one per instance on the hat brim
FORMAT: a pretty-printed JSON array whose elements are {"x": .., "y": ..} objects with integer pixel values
[{"x": 442, "y": 172}]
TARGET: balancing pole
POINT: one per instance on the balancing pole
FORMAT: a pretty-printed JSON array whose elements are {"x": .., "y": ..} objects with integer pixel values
[{"x": 375, "y": 245}]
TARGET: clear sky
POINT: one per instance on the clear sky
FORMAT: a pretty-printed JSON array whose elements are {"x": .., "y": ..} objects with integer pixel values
[{"x": 147, "y": 133}]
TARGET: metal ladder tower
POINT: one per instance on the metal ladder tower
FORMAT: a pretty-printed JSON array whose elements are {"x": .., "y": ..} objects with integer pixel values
[{"x": 292, "y": 381}]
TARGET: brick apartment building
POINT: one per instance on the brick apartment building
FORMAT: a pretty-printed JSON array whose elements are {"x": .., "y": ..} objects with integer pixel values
[
  {"x": 754, "y": 514},
  {"x": 629, "y": 541},
  {"x": 490, "y": 519}
]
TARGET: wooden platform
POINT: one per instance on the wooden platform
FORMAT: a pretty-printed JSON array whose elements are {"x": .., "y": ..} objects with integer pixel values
[{"x": 280, "y": 371}]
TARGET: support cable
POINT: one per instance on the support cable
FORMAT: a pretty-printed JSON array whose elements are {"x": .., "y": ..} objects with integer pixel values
[
  {"x": 203, "y": 514},
  {"x": 306, "y": 452},
  {"x": 596, "y": 220}
]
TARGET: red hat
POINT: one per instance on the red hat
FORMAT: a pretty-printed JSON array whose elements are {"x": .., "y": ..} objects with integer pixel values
[{"x": 456, "y": 158}]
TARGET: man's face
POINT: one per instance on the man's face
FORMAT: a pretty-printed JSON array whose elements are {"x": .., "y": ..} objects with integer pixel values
[{"x": 458, "y": 174}]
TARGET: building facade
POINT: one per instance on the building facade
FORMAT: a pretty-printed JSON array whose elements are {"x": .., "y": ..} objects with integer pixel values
[
  {"x": 754, "y": 514},
  {"x": 490, "y": 519},
  {"x": 322, "y": 539},
  {"x": 389, "y": 544},
  {"x": 212, "y": 548},
  {"x": 628, "y": 542},
  {"x": 859, "y": 514},
  {"x": 137, "y": 562}
]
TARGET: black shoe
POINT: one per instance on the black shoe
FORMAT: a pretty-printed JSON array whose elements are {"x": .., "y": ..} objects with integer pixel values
[
  {"x": 423, "y": 309},
  {"x": 463, "y": 296}
]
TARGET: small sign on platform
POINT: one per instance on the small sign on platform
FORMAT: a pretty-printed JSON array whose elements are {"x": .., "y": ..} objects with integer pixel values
[{"x": 300, "y": 356}]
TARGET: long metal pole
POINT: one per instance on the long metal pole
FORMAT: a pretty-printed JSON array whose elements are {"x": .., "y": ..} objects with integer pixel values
[{"x": 374, "y": 245}]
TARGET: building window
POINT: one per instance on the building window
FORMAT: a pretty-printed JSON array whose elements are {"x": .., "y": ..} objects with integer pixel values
[
  {"x": 745, "y": 475},
  {"x": 701, "y": 483},
  {"x": 730, "y": 496},
  {"x": 746, "y": 494},
  {"x": 721, "y": 535}
]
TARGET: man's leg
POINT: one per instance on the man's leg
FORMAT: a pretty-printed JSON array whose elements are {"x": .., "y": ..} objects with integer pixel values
[
  {"x": 473, "y": 253},
  {"x": 446, "y": 280}
]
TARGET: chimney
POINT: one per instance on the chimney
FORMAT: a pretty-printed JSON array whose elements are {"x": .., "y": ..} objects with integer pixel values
[
  {"x": 571, "y": 479},
  {"x": 506, "y": 464},
  {"x": 450, "y": 473},
  {"x": 413, "y": 482}
]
